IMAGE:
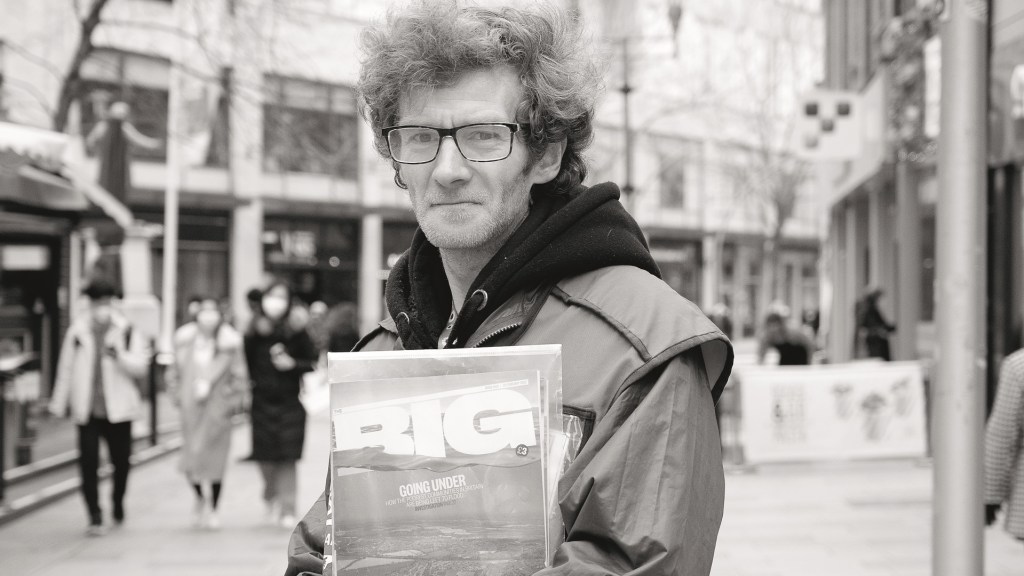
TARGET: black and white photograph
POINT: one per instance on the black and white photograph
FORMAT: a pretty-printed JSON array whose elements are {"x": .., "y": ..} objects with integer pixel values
[{"x": 512, "y": 287}]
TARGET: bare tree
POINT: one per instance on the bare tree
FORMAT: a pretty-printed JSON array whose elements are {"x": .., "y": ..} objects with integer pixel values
[{"x": 769, "y": 175}]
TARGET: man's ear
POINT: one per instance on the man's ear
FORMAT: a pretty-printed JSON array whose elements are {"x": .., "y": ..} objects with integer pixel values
[{"x": 549, "y": 163}]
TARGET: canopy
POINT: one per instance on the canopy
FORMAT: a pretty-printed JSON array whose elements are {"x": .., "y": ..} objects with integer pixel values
[{"x": 41, "y": 169}]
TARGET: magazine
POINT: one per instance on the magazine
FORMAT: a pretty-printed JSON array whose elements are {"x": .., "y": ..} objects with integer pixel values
[{"x": 448, "y": 472}]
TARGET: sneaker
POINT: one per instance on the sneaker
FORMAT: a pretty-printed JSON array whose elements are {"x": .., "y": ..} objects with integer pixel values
[
  {"x": 95, "y": 530},
  {"x": 288, "y": 521},
  {"x": 118, "y": 514},
  {"x": 273, "y": 514},
  {"x": 199, "y": 514},
  {"x": 213, "y": 520}
]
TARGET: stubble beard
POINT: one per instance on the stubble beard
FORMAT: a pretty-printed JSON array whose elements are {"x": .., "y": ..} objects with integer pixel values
[{"x": 490, "y": 232}]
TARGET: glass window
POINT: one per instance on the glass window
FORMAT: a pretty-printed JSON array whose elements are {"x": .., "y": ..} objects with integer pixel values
[{"x": 309, "y": 127}]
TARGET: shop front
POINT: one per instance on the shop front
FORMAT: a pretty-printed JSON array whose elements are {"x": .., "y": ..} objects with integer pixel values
[
  {"x": 38, "y": 209},
  {"x": 318, "y": 257}
]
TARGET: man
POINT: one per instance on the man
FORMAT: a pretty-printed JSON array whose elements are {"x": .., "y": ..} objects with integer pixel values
[
  {"x": 485, "y": 115},
  {"x": 100, "y": 362},
  {"x": 793, "y": 346}
]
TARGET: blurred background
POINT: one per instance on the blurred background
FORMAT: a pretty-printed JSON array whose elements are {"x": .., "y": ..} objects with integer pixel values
[{"x": 782, "y": 157}]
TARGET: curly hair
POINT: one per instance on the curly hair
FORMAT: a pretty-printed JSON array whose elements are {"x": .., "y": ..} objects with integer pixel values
[{"x": 432, "y": 44}]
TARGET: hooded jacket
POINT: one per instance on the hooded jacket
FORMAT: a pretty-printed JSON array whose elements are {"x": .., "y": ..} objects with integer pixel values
[{"x": 642, "y": 368}]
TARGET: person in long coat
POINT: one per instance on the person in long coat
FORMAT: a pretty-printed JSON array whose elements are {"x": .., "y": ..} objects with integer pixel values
[
  {"x": 872, "y": 327},
  {"x": 205, "y": 379},
  {"x": 1004, "y": 448},
  {"x": 278, "y": 351}
]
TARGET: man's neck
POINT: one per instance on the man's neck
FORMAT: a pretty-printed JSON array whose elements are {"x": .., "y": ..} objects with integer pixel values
[{"x": 461, "y": 267}]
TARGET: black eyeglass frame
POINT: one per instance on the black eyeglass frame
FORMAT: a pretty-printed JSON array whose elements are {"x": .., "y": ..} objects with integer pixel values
[{"x": 443, "y": 133}]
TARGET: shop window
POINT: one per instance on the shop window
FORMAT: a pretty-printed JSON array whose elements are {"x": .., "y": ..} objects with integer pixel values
[{"x": 309, "y": 127}]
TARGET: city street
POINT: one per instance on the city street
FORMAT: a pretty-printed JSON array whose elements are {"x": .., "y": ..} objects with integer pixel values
[{"x": 864, "y": 519}]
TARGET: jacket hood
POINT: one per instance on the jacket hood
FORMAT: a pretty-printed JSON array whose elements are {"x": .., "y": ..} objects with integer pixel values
[{"x": 563, "y": 235}]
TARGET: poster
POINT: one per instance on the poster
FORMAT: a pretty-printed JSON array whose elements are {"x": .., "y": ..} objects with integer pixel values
[{"x": 860, "y": 410}]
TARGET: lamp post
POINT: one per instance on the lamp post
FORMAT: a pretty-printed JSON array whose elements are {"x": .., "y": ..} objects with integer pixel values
[{"x": 675, "y": 14}]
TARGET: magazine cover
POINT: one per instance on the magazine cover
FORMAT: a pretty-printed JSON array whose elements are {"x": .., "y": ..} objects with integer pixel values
[
  {"x": 439, "y": 475},
  {"x": 370, "y": 372}
]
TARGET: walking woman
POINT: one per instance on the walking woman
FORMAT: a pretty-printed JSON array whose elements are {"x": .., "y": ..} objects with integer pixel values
[
  {"x": 278, "y": 351},
  {"x": 205, "y": 379}
]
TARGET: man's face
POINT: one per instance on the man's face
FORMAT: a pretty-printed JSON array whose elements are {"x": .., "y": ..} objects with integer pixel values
[{"x": 463, "y": 205}]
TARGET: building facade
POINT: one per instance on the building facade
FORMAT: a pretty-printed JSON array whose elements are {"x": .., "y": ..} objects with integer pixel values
[
  {"x": 712, "y": 97},
  {"x": 881, "y": 200}
]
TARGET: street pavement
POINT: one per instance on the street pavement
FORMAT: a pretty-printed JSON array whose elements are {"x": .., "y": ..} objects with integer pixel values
[
  {"x": 157, "y": 538},
  {"x": 864, "y": 519}
]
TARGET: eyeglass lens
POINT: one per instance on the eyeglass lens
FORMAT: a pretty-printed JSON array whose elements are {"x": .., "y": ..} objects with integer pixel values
[{"x": 477, "y": 142}]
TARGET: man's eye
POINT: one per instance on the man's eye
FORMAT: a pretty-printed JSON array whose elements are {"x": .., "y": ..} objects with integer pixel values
[
  {"x": 421, "y": 138},
  {"x": 483, "y": 135}
]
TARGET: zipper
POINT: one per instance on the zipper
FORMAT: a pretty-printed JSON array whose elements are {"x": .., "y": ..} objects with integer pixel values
[{"x": 497, "y": 332}]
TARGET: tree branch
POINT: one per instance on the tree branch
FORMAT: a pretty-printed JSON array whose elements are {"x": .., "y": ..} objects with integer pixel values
[{"x": 70, "y": 85}]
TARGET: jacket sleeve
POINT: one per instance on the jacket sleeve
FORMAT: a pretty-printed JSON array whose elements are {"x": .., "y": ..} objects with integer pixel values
[
  {"x": 307, "y": 355},
  {"x": 62, "y": 381},
  {"x": 1003, "y": 431},
  {"x": 645, "y": 495},
  {"x": 135, "y": 358}
]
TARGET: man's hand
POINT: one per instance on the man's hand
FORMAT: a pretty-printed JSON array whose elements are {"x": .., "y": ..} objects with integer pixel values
[
  {"x": 991, "y": 511},
  {"x": 55, "y": 411}
]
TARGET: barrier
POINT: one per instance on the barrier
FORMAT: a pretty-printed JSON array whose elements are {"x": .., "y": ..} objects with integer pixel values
[{"x": 860, "y": 410}]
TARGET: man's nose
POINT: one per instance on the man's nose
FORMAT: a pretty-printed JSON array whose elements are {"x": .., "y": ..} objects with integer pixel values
[{"x": 450, "y": 166}]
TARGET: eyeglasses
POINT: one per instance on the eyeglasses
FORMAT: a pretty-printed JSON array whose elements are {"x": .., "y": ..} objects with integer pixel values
[{"x": 488, "y": 142}]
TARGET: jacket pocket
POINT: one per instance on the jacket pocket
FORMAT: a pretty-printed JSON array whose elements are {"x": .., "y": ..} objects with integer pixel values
[{"x": 578, "y": 425}]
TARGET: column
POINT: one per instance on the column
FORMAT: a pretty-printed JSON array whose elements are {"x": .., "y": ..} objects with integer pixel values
[
  {"x": 371, "y": 299},
  {"x": 906, "y": 301},
  {"x": 712, "y": 270},
  {"x": 246, "y": 255}
]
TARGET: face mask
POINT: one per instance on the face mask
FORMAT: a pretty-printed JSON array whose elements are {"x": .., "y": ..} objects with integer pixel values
[
  {"x": 208, "y": 319},
  {"x": 274, "y": 306},
  {"x": 101, "y": 314}
]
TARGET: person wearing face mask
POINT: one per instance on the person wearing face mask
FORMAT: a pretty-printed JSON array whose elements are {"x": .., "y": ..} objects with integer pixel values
[
  {"x": 204, "y": 380},
  {"x": 100, "y": 363},
  {"x": 278, "y": 351}
]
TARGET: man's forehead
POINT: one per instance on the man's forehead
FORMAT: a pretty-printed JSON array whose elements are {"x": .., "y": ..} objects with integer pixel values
[{"x": 484, "y": 92}]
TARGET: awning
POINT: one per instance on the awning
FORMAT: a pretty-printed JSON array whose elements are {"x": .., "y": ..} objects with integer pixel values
[
  {"x": 30, "y": 161},
  {"x": 41, "y": 169}
]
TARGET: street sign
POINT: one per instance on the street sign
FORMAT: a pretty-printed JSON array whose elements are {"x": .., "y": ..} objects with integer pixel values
[{"x": 830, "y": 125}]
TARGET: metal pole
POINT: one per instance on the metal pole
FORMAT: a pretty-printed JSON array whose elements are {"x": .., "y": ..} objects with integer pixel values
[
  {"x": 627, "y": 188},
  {"x": 170, "y": 263},
  {"x": 959, "y": 393}
]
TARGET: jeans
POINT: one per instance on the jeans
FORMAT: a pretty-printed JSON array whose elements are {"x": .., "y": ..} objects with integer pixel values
[
  {"x": 280, "y": 484},
  {"x": 119, "y": 445}
]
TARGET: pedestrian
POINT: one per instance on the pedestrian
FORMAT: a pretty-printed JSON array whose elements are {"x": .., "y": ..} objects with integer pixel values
[
  {"x": 721, "y": 315},
  {"x": 342, "y": 327},
  {"x": 100, "y": 363},
  {"x": 278, "y": 351},
  {"x": 485, "y": 114},
  {"x": 794, "y": 348},
  {"x": 1004, "y": 448},
  {"x": 872, "y": 327},
  {"x": 204, "y": 381}
]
